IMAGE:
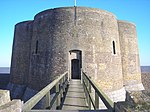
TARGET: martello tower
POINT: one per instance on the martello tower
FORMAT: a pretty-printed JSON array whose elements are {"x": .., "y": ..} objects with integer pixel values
[{"x": 71, "y": 39}]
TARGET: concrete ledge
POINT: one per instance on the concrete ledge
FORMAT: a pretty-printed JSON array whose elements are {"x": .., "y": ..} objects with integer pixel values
[
  {"x": 12, "y": 106},
  {"x": 136, "y": 87},
  {"x": 4, "y": 97},
  {"x": 117, "y": 96}
]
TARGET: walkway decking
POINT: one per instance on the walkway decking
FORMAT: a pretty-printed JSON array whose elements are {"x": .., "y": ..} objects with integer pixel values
[
  {"x": 75, "y": 98},
  {"x": 70, "y": 97}
]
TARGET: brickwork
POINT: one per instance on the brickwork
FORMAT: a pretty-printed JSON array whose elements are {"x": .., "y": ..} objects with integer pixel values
[
  {"x": 109, "y": 49},
  {"x": 130, "y": 56},
  {"x": 21, "y": 53}
]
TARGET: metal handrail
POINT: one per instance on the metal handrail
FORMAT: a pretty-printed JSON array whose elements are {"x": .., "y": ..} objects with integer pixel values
[
  {"x": 87, "y": 84},
  {"x": 62, "y": 80}
]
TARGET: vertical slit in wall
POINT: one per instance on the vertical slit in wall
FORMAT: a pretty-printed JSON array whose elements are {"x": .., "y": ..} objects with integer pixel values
[
  {"x": 114, "y": 47},
  {"x": 36, "y": 50}
]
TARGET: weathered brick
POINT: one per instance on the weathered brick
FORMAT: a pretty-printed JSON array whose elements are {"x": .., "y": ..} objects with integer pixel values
[{"x": 41, "y": 48}]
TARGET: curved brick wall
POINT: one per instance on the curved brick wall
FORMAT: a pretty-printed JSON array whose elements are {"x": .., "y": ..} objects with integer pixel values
[
  {"x": 41, "y": 49},
  {"x": 52, "y": 30},
  {"x": 21, "y": 55},
  {"x": 92, "y": 31},
  {"x": 96, "y": 30},
  {"x": 130, "y": 56},
  {"x": 20, "y": 59}
]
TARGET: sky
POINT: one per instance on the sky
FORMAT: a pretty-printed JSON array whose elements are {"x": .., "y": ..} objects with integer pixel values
[{"x": 15, "y": 11}]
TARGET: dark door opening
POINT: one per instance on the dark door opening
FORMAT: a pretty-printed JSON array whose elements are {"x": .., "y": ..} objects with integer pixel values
[{"x": 75, "y": 69}]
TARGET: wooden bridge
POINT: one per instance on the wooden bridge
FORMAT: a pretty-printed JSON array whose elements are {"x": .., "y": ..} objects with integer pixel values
[{"x": 74, "y": 95}]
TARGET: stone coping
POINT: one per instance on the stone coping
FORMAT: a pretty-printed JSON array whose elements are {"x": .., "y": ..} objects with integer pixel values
[
  {"x": 127, "y": 22},
  {"x": 79, "y": 7}
]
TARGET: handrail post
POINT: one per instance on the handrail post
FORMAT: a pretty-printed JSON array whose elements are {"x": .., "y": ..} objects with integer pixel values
[
  {"x": 83, "y": 81},
  {"x": 58, "y": 97},
  {"x": 81, "y": 77},
  {"x": 86, "y": 85},
  {"x": 98, "y": 94},
  {"x": 47, "y": 100},
  {"x": 96, "y": 101},
  {"x": 89, "y": 90},
  {"x": 45, "y": 93},
  {"x": 64, "y": 81},
  {"x": 62, "y": 86}
]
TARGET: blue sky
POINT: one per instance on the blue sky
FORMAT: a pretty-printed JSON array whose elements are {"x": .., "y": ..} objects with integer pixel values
[{"x": 14, "y": 11}]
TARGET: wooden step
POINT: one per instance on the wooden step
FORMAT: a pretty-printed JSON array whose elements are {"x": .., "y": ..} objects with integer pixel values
[{"x": 75, "y": 98}]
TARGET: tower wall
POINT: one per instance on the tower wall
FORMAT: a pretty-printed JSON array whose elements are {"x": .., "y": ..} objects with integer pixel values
[
  {"x": 96, "y": 31},
  {"x": 52, "y": 30},
  {"x": 130, "y": 56},
  {"x": 91, "y": 31},
  {"x": 106, "y": 47},
  {"x": 20, "y": 58},
  {"x": 21, "y": 55}
]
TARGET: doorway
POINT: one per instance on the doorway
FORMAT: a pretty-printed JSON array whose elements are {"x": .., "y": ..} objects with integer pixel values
[
  {"x": 75, "y": 69},
  {"x": 75, "y": 59}
]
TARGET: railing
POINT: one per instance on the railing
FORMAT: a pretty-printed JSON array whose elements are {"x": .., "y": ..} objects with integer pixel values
[
  {"x": 60, "y": 84},
  {"x": 88, "y": 84}
]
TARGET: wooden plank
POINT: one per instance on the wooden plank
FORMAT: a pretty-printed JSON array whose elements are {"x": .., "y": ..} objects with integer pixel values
[
  {"x": 58, "y": 97},
  {"x": 75, "y": 98},
  {"x": 89, "y": 91},
  {"x": 36, "y": 98},
  {"x": 88, "y": 94},
  {"x": 96, "y": 101},
  {"x": 106, "y": 100},
  {"x": 47, "y": 100}
]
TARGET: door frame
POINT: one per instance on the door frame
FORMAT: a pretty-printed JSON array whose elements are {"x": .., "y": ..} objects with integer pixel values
[{"x": 74, "y": 54}]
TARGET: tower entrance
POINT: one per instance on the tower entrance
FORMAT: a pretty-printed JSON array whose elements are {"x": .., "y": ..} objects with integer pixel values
[
  {"x": 75, "y": 69},
  {"x": 75, "y": 64}
]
